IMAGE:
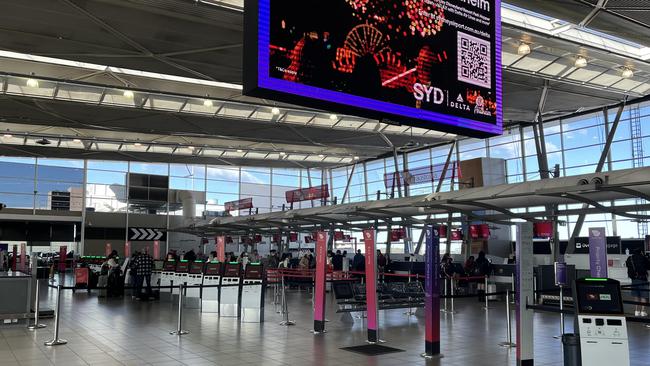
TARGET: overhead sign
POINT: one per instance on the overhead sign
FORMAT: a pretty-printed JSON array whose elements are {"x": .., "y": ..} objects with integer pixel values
[
  {"x": 423, "y": 175},
  {"x": 242, "y": 204},
  {"x": 145, "y": 234},
  {"x": 429, "y": 63},
  {"x": 307, "y": 194}
]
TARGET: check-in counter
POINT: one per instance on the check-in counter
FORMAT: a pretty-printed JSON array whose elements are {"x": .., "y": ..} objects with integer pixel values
[{"x": 18, "y": 304}]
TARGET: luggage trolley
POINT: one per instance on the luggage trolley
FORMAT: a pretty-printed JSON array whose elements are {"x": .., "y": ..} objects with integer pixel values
[
  {"x": 194, "y": 280},
  {"x": 167, "y": 279},
  {"x": 210, "y": 297},
  {"x": 252, "y": 294},
  {"x": 231, "y": 282}
]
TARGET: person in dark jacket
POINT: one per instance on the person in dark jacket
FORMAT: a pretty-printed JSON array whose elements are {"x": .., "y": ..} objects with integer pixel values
[
  {"x": 337, "y": 261},
  {"x": 637, "y": 269},
  {"x": 359, "y": 262}
]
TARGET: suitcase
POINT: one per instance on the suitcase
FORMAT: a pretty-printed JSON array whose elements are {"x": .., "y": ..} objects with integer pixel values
[{"x": 102, "y": 284}]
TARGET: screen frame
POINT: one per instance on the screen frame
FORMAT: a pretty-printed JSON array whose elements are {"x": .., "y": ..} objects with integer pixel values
[
  {"x": 597, "y": 281},
  {"x": 259, "y": 83}
]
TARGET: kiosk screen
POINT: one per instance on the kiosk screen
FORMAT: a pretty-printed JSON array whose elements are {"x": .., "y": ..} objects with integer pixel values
[
  {"x": 254, "y": 271},
  {"x": 183, "y": 267},
  {"x": 599, "y": 296},
  {"x": 169, "y": 266},
  {"x": 233, "y": 270},
  {"x": 196, "y": 267},
  {"x": 213, "y": 268}
]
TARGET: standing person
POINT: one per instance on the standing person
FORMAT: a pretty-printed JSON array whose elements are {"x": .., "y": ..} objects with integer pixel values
[
  {"x": 381, "y": 261},
  {"x": 470, "y": 265},
  {"x": 637, "y": 270},
  {"x": 304, "y": 262},
  {"x": 359, "y": 262},
  {"x": 337, "y": 261},
  {"x": 143, "y": 264},
  {"x": 190, "y": 256},
  {"x": 254, "y": 257},
  {"x": 483, "y": 268},
  {"x": 273, "y": 260}
]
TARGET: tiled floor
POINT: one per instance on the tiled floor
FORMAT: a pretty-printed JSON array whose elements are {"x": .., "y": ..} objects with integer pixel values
[{"x": 124, "y": 332}]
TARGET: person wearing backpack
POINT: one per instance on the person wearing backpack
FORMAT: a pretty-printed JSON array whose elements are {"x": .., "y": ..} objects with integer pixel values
[
  {"x": 482, "y": 267},
  {"x": 637, "y": 270}
]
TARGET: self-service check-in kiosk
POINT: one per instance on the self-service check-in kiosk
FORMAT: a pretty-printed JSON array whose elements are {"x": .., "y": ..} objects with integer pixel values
[
  {"x": 210, "y": 297},
  {"x": 167, "y": 279},
  {"x": 229, "y": 302},
  {"x": 194, "y": 281},
  {"x": 601, "y": 322},
  {"x": 252, "y": 294}
]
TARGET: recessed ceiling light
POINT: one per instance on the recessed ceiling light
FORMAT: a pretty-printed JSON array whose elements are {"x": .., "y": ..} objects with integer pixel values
[
  {"x": 275, "y": 111},
  {"x": 77, "y": 141},
  {"x": 32, "y": 83},
  {"x": 208, "y": 103},
  {"x": 128, "y": 94},
  {"x": 240, "y": 150},
  {"x": 356, "y": 158},
  {"x": 191, "y": 147},
  {"x": 334, "y": 117},
  {"x": 137, "y": 144},
  {"x": 282, "y": 153},
  {"x": 321, "y": 155},
  {"x": 524, "y": 49},
  {"x": 580, "y": 62},
  {"x": 7, "y": 135},
  {"x": 627, "y": 73}
]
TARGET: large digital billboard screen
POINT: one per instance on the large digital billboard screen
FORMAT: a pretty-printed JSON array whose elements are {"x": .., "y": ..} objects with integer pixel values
[{"x": 428, "y": 63}]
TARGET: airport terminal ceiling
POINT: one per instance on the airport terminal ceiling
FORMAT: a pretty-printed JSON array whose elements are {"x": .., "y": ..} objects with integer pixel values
[{"x": 183, "y": 61}]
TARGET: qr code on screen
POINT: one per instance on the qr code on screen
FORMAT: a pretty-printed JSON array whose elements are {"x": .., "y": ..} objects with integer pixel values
[{"x": 474, "y": 60}]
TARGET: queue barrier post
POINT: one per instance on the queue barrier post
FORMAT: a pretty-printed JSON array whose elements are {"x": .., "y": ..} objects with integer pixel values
[
  {"x": 508, "y": 343},
  {"x": 446, "y": 292},
  {"x": 561, "y": 313},
  {"x": 453, "y": 292},
  {"x": 36, "y": 324},
  {"x": 512, "y": 288},
  {"x": 179, "y": 325},
  {"x": 486, "y": 306},
  {"x": 285, "y": 308},
  {"x": 56, "y": 341}
]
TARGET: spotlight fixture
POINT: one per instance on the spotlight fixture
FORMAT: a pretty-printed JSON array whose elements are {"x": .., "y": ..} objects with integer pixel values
[
  {"x": 334, "y": 117},
  {"x": 356, "y": 158},
  {"x": 627, "y": 73},
  {"x": 128, "y": 94},
  {"x": 208, "y": 103},
  {"x": 240, "y": 150},
  {"x": 282, "y": 153},
  {"x": 191, "y": 148},
  {"x": 580, "y": 62},
  {"x": 275, "y": 111},
  {"x": 321, "y": 155},
  {"x": 137, "y": 144},
  {"x": 32, "y": 83},
  {"x": 7, "y": 135},
  {"x": 523, "y": 49},
  {"x": 43, "y": 142},
  {"x": 76, "y": 141}
]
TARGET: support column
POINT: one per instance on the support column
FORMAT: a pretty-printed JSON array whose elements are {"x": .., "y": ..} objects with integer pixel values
[
  {"x": 432, "y": 293},
  {"x": 319, "y": 288},
  {"x": 371, "y": 286},
  {"x": 524, "y": 295}
]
